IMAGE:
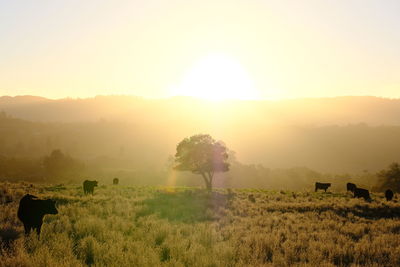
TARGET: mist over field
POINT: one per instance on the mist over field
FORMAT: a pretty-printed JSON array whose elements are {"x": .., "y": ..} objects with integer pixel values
[{"x": 272, "y": 143}]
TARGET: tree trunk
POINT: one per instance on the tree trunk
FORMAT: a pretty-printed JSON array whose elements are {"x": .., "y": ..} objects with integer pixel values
[
  {"x": 210, "y": 178},
  {"x": 209, "y": 186},
  {"x": 207, "y": 180}
]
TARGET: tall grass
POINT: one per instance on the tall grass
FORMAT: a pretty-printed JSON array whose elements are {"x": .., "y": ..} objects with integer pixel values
[{"x": 147, "y": 226}]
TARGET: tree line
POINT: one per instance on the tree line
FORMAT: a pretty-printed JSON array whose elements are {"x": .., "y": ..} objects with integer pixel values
[
  {"x": 57, "y": 166},
  {"x": 199, "y": 156}
]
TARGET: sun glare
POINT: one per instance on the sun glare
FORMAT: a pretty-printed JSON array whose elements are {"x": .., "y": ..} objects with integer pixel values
[{"x": 217, "y": 77}]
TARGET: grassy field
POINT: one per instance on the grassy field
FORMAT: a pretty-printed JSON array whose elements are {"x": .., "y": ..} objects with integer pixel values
[{"x": 147, "y": 226}]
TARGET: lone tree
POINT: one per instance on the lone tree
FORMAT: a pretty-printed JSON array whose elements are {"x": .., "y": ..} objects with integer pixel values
[{"x": 201, "y": 154}]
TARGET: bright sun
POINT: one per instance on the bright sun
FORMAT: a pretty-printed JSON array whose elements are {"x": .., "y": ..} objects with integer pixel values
[{"x": 217, "y": 77}]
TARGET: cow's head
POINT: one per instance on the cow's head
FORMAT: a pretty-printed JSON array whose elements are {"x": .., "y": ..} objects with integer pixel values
[
  {"x": 95, "y": 183},
  {"x": 50, "y": 206},
  {"x": 329, "y": 184}
]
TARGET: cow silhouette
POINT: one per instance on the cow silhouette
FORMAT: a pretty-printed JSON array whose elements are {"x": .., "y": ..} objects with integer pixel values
[
  {"x": 31, "y": 211},
  {"x": 88, "y": 186},
  {"x": 389, "y": 195},
  {"x": 351, "y": 187},
  {"x": 115, "y": 181},
  {"x": 323, "y": 186},
  {"x": 361, "y": 192}
]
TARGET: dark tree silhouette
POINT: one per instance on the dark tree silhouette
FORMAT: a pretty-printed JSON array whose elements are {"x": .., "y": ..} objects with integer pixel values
[
  {"x": 201, "y": 154},
  {"x": 58, "y": 164},
  {"x": 390, "y": 178}
]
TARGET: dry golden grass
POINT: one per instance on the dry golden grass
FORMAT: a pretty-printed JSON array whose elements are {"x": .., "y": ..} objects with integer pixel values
[{"x": 143, "y": 226}]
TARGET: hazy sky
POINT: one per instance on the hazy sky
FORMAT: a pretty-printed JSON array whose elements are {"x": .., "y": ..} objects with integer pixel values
[{"x": 151, "y": 48}]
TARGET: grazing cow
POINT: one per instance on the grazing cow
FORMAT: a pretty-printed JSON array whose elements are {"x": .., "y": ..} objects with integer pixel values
[
  {"x": 389, "y": 194},
  {"x": 115, "y": 181},
  {"x": 88, "y": 186},
  {"x": 361, "y": 192},
  {"x": 351, "y": 187},
  {"x": 322, "y": 186},
  {"x": 31, "y": 211}
]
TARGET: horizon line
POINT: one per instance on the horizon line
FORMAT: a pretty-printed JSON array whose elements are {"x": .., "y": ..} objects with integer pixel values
[{"x": 197, "y": 98}]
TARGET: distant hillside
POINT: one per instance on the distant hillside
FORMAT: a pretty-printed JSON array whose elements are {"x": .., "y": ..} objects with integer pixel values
[
  {"x": 9, "y": 101},
  {"x": 312, "y": 111},
  {"x": 146, "y": 140}
]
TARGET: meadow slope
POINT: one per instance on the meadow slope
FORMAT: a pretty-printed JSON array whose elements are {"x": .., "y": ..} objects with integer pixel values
[{"x": 153, "y": 226}]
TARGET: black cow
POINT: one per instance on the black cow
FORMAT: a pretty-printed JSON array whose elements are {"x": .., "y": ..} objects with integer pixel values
[
  {"x": 361, "y": 192},
  {"x": 389, "y": 194},
  {"x": 31, "y": 211},
  {"x": 323, "y": 186},
  {"x": 88, "y": 186},
  {"x": 115, "y": 181},
  {"x": 351, "y": 187}
]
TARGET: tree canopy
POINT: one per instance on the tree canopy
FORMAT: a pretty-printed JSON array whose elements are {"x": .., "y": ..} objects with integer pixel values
[{"x": 203, "y": 155}]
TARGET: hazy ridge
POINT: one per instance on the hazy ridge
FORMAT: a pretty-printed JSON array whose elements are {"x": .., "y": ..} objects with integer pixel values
[
  {"x": 343, "y": 134},
  {"x": 308, "y": 111}
]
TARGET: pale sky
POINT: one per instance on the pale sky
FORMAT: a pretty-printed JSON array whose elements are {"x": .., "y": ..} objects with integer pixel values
[{"x": 150, "y": 48}]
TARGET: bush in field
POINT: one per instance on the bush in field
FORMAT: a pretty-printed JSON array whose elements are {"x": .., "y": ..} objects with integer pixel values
[
  {"x": 201, "y": 154},
  {"x": 59, "y": 165},
  {"x": 390, "y": 178}
]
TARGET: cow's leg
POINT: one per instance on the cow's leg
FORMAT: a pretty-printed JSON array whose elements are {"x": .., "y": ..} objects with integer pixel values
[
  {"x": 27, "y": 229},
  {"x": 325, "y": 190},
  {"x": 38, "y": 229}
]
